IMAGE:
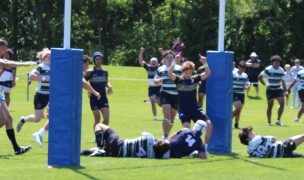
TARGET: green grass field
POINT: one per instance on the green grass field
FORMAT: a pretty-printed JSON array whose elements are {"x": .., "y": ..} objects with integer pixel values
[{"x": 129, "y": 117}]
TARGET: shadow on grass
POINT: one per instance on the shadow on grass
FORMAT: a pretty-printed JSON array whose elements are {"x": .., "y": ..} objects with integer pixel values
[
  {"x": 77, "y": 169},
  {"x": 6, "y": 156},
  {"x": 254, "y": 97},
  {"x": 235, "y": 156}
]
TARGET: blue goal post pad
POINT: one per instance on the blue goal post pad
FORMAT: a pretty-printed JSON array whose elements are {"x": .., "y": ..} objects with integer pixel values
[
  {"x": 219, "y": 91},
  {"x": 65, "y": 107}
]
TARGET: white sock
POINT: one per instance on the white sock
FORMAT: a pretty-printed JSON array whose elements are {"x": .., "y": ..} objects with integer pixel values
[
  {"x": 206, "y": 147},
  {"x": 42, "y": 131}
]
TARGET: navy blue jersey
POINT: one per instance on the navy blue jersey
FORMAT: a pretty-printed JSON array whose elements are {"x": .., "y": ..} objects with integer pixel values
[
  {"x": 185, "y": 143},
  {"x": 98, "y": 80},
  {"x": 186, "y": 89},
  {"x": 151, "y": 73}
]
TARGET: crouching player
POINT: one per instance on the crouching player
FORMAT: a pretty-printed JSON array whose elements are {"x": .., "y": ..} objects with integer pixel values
[
  {"x": 181, "y": 144},
  {"x": 268, "y": 146}
]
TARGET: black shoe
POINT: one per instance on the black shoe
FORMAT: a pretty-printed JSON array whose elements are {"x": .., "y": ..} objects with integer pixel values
[
  {"x": 23, "y": 150},
  {"x": 236, "y": 125},
  {"x": 86, "y": 152}
]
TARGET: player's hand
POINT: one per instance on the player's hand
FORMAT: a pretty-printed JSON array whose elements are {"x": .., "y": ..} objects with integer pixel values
[
  {"x": 110, "y": 90},
  {"x": 142, "y": 50},
  {"x": 202, "y": 59}
]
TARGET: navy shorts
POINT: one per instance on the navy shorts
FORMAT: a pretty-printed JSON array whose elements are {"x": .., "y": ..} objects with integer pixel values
[
  {"x": 253, "y": 80},
  {"x": 192, "y": 114},
  {"x": 301, "y": 95},
  {"x": 289, "y": 146},
  {"x": 41, "y": 100},
  {"x": 239, "y": 97},
  {"x": 98, "y": 104},
  {"x": 272, "y": 94},
  {"x": 154, "y": 91},
  {"x": 202, "y": 87},
  {"x": 113, "y": 143},
  {"x": 166, "y": 98}
]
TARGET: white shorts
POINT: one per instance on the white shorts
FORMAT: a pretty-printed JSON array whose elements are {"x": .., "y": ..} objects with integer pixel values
[
  {"x": 5, "y": 89},
  {"x": 1, "y": 97}
]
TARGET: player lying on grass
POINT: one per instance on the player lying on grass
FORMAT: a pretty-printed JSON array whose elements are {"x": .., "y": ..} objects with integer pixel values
[
  {"x": 181, "y": 144},
  {"x": 268, "y": 146}
]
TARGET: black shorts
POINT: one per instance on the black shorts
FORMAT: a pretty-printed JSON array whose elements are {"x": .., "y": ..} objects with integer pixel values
[
  {"x": 41, "y": 100},
  {"x": 166, "y": 98},
  {"x": 113, "y": 143},
  {"x": 98, "y": 104},
  {"x": 188, "y": 115},
  {"x": 253, "y": 80},
  {"x": 239, "y": 97},
  {"x": 301, "y": 95},
  {"x": 289, "y": 146},
  {"x": 272, "y": 94},
  {"x": 202, "y": 88},
  {"x": 154, "y": 91}
]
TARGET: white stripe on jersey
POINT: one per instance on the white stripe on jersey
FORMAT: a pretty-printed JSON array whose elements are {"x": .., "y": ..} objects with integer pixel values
[
  {"x": 239, "y": 81},
  {"x": 43, "y": 87},
  {"x": 140, "y": 147},
  {"x": 274, "y": 76},
  {"x": 168, "y": 86},
  {"x": 300, "y": 79},
  {"x": 261, "y": 147}
]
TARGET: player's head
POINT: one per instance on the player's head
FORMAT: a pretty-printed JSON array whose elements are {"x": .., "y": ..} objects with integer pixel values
[
  {"x": 242, "y": 66},
  {"x": 200, "y": 126},
  {"x": 153, "y": 61},
  {"x": 9, "y": 54},
  {"x": 276, "y": 60},
  {"x": 244, "y": 134},
  {"x": 187, "y": 69},
  {"x": 297, "y": 62},
  {"x": 3, "y": 46},
  {"x": 160, "y": 148},
  {"x": 168, "y": 57},
  {"x": 97, "y": 55},
  {"x": 86, "y": 62},
  {"x": 44, "y": 56},
  {"x": 253, "y": 55}
]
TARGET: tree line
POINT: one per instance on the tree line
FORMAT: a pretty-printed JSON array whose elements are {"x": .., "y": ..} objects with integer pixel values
[{"x": 119, "y": 28}]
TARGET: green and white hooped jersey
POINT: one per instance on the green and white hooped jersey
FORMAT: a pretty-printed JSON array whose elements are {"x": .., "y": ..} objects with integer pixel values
[
  {"x": 168, "y": 86},
  {"x": 300, "y": 79},
  {"x": 239, "y": 81},
  {"x": 44, "y": 71},
  {"x": 141, "y": 147},
  {"x": 261, "y": 147},
  {"x": 274, "y": 76}
]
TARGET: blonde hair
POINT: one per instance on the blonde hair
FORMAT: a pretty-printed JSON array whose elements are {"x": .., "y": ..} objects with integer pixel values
[
  {"x": 287, "y": 66},
  {"x": 41, "y": 55},
  {"x": 188, "y": 65}
]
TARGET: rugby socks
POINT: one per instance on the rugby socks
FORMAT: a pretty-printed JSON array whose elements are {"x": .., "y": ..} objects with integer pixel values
[
  {"x": 206, "y": 147},
  {"x": 165, "y": 135},
  {"x": 11, "y": 135},
  {"x": 41, "y": 132},
  {"x": 99, "y": 138}
]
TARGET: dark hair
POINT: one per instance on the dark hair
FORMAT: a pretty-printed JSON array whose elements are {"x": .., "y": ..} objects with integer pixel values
[
  {"x": 242, "y": 64},
  {"x": 160, "y": 148},
  {"x": 86, "y": 58},
  {"x": 10, "y": 52},
  {"x": 275, "y": 58},
  {"x": 244, "y": 134},
  {"x": 166, "y": 53}
]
